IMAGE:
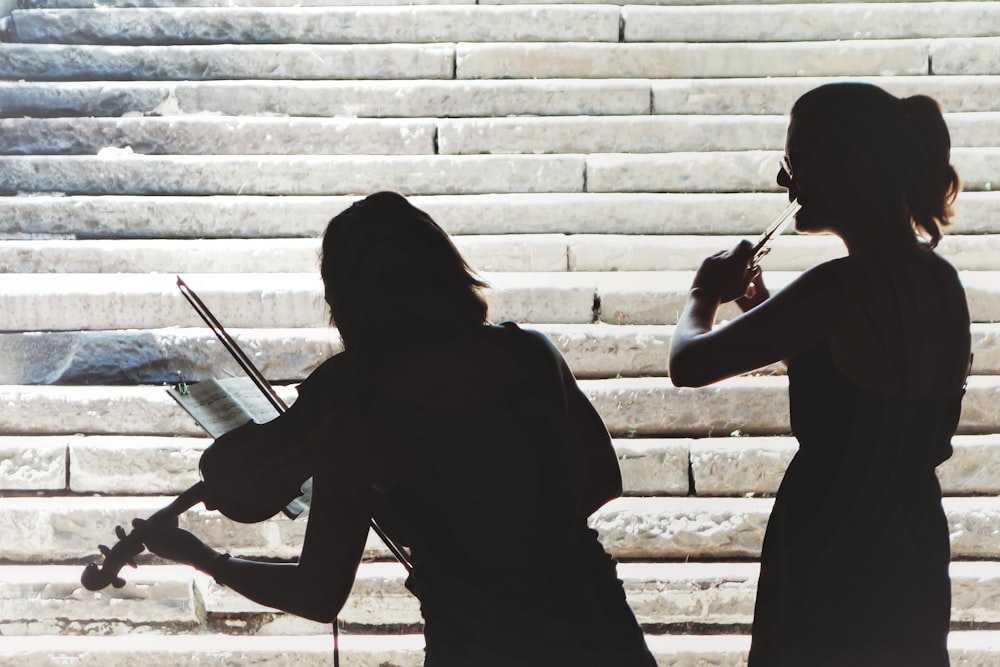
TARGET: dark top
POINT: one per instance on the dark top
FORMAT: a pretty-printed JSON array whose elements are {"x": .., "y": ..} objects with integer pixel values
[{"x": 489, "y": 493}]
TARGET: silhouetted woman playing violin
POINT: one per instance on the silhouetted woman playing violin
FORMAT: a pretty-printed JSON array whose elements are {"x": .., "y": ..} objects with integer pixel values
[
  {"x": 469, "y": 443},
  {"x": 854, "y": 568}
]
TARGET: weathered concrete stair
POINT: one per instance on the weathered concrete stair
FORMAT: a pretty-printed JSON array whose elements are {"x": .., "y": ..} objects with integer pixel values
[{"x": 585, "y": 156}]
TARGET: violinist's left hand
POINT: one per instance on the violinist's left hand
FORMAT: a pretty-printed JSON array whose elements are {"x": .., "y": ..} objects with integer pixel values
[{"x": 168, "y": 541}]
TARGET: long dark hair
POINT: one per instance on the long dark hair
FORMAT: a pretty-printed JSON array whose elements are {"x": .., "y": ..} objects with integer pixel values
[
  {"x": 386, "y": 265},
  {"x": 895, "y": 151}
]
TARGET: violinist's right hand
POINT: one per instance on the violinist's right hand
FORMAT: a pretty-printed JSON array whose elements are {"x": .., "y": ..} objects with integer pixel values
[{"x": 168, "y": 541}]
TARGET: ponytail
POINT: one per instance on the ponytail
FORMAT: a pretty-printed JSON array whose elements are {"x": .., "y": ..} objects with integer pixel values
[{"x": 931, "y": 182}]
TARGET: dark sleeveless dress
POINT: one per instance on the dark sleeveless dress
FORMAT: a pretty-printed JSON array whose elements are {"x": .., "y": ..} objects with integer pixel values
[{"x": 854, "y": 567}]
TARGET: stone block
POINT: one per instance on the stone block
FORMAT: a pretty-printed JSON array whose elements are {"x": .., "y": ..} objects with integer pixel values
[
  {"x": 641, "y": 297},
  {"x": 653, "y": 466},
  {"x": 268, "y": 217},
  {"x": 740, "y": 466},
  {"x": 690, "y": 172},
  {"x": 82, "y": 98},
  {"x": 791, "y": 252},
  {"x": 974, "y": 466},
  {"x": 617, "y": 134},
  {"x": 378, "y": 598},
  {"x": 536, "y": 252},
  {"x": 40, "y": 302},
  {"x": 58, "y": 62},
  {"x": 159, "y": 356},
  {"x": 211, "y": 650},
  {"x": 161, "y": 256},
  {"x": 651, "y": 407},
  {"x": 979, "y": 56},
  {"x": 399, "y": 24},
  {"x": 522, "y": 253},
  {"x": 974, "y": 212},
  {"x": 664, "y": 61},
  {"x": 43, "y": 530},
  {"x": 50, "y": 410},
  {"x": 46, "y": 600},
  {"x": 740, "y": 171},
  {"x": 559, "y": 298},
  {"x": 130, "y": 174},
  {"x": 982, "y": 291},
  {"x": 134, "y": 465},
  {"x": 748, "y": 95},
  {"x": 986, "y": 348},
  {"x": 33, "y": 463},
  {"x": 800, "y": 23},
  {"x": 654, "y": 528},
  {"x": 974, "y": 523},
  {"x": 227, "y": 135},
  {"x": 422, "y": 98},
  {"x": 602, "y": 351},
  {"x": 690, "y": 593}
]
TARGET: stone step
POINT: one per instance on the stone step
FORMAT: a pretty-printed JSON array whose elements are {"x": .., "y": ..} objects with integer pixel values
[
  {"x": 495, "y": 253},
  {"x": 631, "y": 407},
  {"x": 966, "y": 649},
  {"x": 720, "y": 466},
  {"x": 78, "y": 4},
  {"x": 347, "y": 25},
  {"x": 795, "y": 22},
  {"x": 120, "y": 172},
  {"x": 498, "y": 23},
  {"x": 159, "y": 356},
  {"x": 973, "y": 55},
  {"x": 534, "y": 252},
  {"x": 373, "y": 98},
  {"x": 517, "y": 60},
  {"x": 42, "y": 530},
  {"x": 458, "y": 99},
  {"x": 229, "y": 135},
  {"x": 248, "y": 216},
  {"x": 73, "y": 302},
  {"x": 776, "y": 95},
  {"x": 172, "y": 600}
]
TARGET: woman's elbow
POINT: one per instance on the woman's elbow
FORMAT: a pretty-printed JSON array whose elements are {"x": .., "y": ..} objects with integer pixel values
[{"x": 684, "y": 373}]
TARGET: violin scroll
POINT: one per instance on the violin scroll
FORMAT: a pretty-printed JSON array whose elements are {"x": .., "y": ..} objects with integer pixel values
[{"x": 96, "y": 577}]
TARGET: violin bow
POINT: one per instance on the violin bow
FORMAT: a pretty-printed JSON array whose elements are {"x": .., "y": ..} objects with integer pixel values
[{"x": 265, "y": 387}]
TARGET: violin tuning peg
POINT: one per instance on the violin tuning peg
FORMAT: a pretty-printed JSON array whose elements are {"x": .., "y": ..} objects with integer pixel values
[
  {"x": 120, "y": 533},
  {"x": 118, "y": 582},
  {"x": 103, "y": 548}
]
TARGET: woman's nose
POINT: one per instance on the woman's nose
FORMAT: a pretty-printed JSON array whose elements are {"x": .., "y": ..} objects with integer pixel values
[{"x": 783, "y": 178}]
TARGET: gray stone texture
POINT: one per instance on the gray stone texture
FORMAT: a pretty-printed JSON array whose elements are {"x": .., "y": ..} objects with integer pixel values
[
  {"x": 123, "y": 172},
  {"x": 199, "y": 135},
  {"x": 57, "y": 62},
  {"x": 364, "y": 98},
  {"x": 664, "y": 61},
  {"x": 319, "y": 25},
  {"x": 246, "y": 216},
  {"x": 795, "y": 22}
]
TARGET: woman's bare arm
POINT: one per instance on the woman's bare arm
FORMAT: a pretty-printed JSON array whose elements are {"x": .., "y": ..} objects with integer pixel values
[{"x": 808, "y": 310}]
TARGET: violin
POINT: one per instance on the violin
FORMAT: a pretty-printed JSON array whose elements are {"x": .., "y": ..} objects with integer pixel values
[{"x": 242, "y": 478}]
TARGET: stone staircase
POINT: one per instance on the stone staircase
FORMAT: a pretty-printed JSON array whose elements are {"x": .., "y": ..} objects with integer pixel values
[{"x": 585, "y": 156}]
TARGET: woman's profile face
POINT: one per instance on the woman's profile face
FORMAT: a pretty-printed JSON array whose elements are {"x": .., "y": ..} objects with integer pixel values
[{"x": 807, "y": 175}]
